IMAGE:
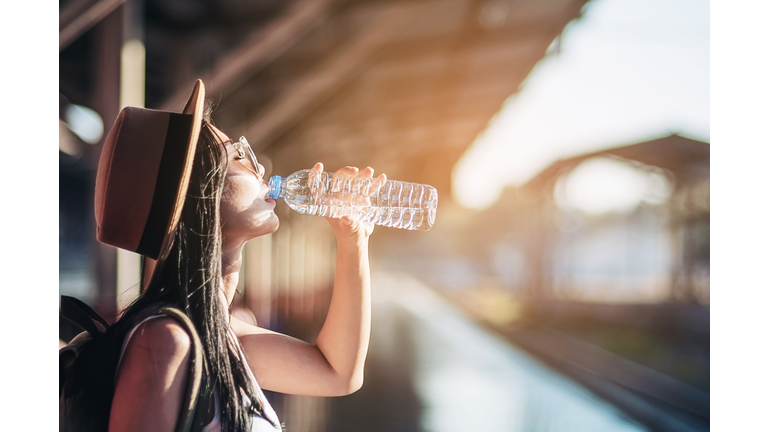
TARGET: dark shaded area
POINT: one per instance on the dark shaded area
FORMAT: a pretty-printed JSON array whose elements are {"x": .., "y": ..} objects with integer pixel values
[
  {"x": 74, "y": 219},
  {"x": 649, "y": 398},
  {"x": 75, "y": 230},
  {"x": 672, "y": 339}
]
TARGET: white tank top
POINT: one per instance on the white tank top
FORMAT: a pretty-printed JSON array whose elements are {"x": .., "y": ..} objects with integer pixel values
[{"x": 258, "y": 424}]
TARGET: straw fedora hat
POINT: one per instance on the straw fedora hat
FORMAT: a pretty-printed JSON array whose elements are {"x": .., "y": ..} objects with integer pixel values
[{"x": 143, "y": 174}]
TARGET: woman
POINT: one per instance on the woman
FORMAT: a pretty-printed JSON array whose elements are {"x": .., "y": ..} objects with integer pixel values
[{"x": 199, "y": 197}]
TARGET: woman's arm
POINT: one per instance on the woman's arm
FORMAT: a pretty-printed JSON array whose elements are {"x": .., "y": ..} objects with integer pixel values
[
  {"x": 334, "y": 365},
  {"x": 345, "y": 335},
  {"x": 152, "y": 378}
]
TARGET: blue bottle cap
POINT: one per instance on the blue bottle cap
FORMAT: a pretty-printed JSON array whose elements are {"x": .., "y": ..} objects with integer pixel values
[{"x": 274, "y": 187}]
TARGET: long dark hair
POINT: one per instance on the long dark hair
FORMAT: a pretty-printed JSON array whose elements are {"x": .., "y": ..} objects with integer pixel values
[{"x": 189, "y": 278}]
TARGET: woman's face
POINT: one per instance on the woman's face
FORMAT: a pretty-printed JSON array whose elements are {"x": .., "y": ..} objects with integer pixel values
[{"x": 246, "y": 211}]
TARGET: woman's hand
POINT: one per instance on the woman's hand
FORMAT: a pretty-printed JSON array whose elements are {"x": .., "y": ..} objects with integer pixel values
[{"x": 349, "y": 226}]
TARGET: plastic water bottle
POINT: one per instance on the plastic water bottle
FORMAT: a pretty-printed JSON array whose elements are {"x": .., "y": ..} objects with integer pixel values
[{"x": 387, "y": 203}]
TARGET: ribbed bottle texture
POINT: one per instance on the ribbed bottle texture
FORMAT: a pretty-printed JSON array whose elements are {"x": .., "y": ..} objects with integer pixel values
[{"x": 388, "y": 203}]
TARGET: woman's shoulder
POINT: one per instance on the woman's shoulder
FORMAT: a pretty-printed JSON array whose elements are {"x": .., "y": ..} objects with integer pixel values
[{"x": 161, "y": 335}]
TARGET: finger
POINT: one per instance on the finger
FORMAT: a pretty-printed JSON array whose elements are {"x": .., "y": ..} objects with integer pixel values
[
  {"x": 380, "y": 180},
  {"x": 347, "y": 220},
  {"x": 316, "y": 170},
  {"x": 348, "y": 170},
  {"x": 314, "y": 177},
  {"x": 367, "y": 172},
  {"x": 348, "y": 224},
  {"x": 378, "y": 183}
]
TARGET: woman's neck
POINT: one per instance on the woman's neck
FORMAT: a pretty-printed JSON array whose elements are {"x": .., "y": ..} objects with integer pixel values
[{"x": 231, "y": 261}]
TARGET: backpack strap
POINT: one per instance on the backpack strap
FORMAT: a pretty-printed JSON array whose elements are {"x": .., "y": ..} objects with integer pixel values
[{"x": 83, "y": 315}]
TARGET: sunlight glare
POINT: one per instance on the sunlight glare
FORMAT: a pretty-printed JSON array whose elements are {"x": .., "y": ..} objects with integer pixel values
[{"x": 603, "y": 185}]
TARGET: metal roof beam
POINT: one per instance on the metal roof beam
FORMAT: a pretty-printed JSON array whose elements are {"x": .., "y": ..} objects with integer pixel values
[
  {"x": 83, "y": 22},
  {"x": 305, "y": 93},
  {"x": 258, "y": 50}
]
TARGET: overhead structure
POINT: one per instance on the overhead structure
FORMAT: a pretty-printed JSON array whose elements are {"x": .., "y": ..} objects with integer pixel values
[
  {"x": 685, "y": 162},
  {"x": 404, "y": 86},
  {"x": 684, "y": 158}
]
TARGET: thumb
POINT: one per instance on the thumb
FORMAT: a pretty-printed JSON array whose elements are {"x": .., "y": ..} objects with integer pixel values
[{"x": 348, "y": 221}]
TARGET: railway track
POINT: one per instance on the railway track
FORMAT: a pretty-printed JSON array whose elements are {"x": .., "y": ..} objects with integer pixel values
[{"x": 653, "y": 399}]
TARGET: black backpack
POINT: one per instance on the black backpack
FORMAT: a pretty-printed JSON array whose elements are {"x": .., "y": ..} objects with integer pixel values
[{"x": 87, "y": 367}]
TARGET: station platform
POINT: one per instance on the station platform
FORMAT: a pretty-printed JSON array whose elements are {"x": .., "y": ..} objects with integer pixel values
[{"x": 432, "y": 368}]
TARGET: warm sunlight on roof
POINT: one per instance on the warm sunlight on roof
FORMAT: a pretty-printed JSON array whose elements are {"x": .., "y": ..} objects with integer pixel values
[{"x": 627, "y": 71}]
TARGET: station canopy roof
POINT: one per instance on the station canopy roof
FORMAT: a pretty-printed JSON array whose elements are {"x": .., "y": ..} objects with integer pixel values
[
  {"x": 682, "y": 157},
  {"x": 404, "y": 86}
]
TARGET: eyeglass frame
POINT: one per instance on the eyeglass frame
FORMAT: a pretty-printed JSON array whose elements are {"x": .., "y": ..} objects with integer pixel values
[{"x": 241, "y": 145}]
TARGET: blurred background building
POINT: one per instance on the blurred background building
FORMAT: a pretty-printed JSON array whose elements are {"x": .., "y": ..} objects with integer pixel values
[{"x": 599, "y": 304}]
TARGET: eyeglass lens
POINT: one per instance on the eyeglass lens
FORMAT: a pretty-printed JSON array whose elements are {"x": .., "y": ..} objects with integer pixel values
[{"x": 243, "y": 145}]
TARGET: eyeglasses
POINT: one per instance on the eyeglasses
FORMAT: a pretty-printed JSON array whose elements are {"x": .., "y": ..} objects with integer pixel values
[{"x": 244, "y": 151}]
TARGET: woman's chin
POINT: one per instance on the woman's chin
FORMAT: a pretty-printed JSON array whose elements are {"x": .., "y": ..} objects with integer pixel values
[
  {"x": 269, "y": 226},
  {"x": 276, "y": 224}
]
